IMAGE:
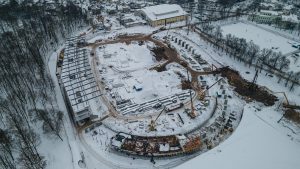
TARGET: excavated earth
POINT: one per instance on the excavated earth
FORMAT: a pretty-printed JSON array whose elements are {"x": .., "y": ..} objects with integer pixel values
[{"x": 247, "y": 89}]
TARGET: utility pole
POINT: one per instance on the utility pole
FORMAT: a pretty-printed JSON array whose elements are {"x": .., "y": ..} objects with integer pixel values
[{"x": 252, "y": 85}]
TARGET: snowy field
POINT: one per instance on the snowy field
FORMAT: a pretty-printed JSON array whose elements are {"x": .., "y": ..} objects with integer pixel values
[
  {"x": 265, "y": 39},
  {"x": 260, "y": 37},
  {"x": 125, "y": 57}
]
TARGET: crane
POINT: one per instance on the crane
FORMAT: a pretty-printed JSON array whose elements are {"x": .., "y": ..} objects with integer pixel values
[
  {"x": 152, "y": 125},
  {"x": 252, "y": 86},
  {"x": 202, "y": 94},
  {"x": 192, "y": 114},
  {"x": 287, "y": 103}
]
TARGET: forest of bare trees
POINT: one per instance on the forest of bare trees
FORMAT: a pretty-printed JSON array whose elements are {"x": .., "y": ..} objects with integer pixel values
[{"x": 28, "y": 108}]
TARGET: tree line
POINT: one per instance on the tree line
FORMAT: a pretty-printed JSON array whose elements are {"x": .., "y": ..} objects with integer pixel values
[
  {"x": 29, "y": 32},
  {"x": 251, "y": 54}
]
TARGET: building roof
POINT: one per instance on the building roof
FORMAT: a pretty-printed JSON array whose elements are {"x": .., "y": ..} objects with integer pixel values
[
  {"x": 267, "y": 4},
  {"x": 275, "y": 13},
  {"x": 138, "y": 86},
  {"x": 163, "y": 11},
  {"x": 291, "y": 18},
  {"x": 164, "y": 147},
  {"x": 78, "y": 79}
]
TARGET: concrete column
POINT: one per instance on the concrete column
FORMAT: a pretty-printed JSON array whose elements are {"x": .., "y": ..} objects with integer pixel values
[{"x": 186, "y": 46}]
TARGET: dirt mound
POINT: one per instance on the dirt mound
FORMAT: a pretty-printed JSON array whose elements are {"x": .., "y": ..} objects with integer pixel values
[
  {"x": 247, "y": 89},
  {"x": 186, "y": 85},
  {"x": 159, "y": 53},
  {"x": 292, "y": 115},
  {"x": 159, "y": 68}
]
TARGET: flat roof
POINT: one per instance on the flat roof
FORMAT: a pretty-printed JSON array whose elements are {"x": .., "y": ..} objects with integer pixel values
[
  {"x": 163, "y": 11},
  {"x": 77, "y": 77},
  {"x": 275, "y": 13}
]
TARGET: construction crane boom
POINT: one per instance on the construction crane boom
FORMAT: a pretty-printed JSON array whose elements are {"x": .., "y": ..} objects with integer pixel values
[
  {"x": 152, "y": 124},
  {"x": 160, "y": 113},
  {"x": 286, "y": 99},
  {"x": 201, "y": 94}
]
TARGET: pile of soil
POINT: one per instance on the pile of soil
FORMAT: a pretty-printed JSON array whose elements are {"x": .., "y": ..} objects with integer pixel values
[
  {"x": 159, "y": 53},
  {"x": 292, "y": 115},
  {"x": 125, "y": 36},
  {"x": 160, "y": 68},
  {"x": 247, "y": 89},
  {"x": 186, "y": 85}
]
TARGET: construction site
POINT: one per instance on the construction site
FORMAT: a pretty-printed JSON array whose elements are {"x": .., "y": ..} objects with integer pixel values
[{"x": 153, "y": 95}]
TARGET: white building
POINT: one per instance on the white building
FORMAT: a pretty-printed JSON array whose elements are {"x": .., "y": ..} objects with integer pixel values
[
  {"x": 163, "y": 14},
  {"x": 265, "y": 16}
]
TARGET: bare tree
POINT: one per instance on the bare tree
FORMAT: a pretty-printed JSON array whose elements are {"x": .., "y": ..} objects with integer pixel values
[{"x": 295, "y": 78}]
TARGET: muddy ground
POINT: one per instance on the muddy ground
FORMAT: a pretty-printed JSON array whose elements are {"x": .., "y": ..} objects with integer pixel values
[
  {"x": 159, "y": 53},
  {"x": 292, "y": 115},
  {"x": 243, "y": 87}
]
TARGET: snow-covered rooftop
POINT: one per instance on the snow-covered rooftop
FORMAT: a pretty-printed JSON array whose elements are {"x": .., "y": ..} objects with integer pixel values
[
  {"x": 267, "y": 4},
  {"x": 292, "y": 18},
  {"x": 77, "y": 79},
  {"x": 163, "y": 11},
  {"x": 164, "y": 147},
  {"x": 275, "y": 13}
]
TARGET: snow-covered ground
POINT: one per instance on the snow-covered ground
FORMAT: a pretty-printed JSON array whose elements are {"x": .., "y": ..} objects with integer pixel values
[
  {"x": 124, "y": 66},
  {"x": 66, "y": 153},
  {"x": 127, "y": 67},
  {"x": 255, "y": 144},
  {"x": 264, "y": 39},
  {"x": 259, "y": 141},
  {"x": 260, "y": 37},
  {"x": 125, "y": 57},
  {"x": 219, "y": 58}
]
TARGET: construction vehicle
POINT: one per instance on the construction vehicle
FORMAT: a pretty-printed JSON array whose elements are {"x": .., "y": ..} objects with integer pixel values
[
  {"x": 287, "y": 104},
  {"x": 191, "y": 113},
  {"x": 60, "y": 58},
  {"x": 202, "y": 94},
  {"x": 152, "y": 125}
]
